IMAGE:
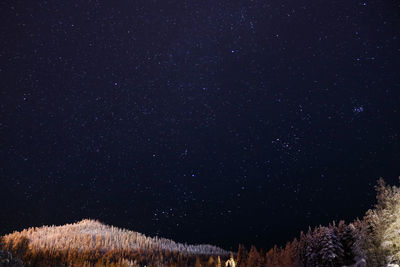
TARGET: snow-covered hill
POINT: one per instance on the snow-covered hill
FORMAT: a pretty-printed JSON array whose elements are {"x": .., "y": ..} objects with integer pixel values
[{"x": 89, "y": 235}]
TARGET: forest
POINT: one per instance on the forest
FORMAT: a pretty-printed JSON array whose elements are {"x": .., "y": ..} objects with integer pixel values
[{"x": 373, "y": 240}]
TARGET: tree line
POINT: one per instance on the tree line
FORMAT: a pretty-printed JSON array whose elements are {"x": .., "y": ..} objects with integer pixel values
[{"x": 373, "y": 240}]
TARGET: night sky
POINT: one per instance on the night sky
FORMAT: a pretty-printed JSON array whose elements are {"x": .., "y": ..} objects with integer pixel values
[{"x": 208, "y": 121}]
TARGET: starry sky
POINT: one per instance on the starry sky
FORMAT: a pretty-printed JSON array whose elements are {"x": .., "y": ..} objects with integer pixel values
[{"x": 204, "y": 121}]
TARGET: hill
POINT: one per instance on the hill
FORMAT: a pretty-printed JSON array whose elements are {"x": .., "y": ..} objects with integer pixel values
[{"x": 95, "y": 243}]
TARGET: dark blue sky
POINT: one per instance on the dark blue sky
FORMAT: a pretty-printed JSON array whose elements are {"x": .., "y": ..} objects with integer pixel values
[{"x": 222, "y": 122}]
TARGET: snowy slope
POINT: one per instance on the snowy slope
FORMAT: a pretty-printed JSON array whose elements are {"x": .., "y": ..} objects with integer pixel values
[{"x": 93, "y": 235}]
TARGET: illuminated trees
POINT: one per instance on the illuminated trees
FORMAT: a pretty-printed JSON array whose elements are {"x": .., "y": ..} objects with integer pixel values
[
  {"x": 331, "y": 249},
  {"x": 254, "y": 259},
  {"x": 375, "y": 238},
  {"x": 380, "y": 227},
  {"x": 210, "y": 262},
  {"x": 92, "y": 243},
  {"x": 218, "y": 261},
  {"x": 230, "y": 262},
  {"x": 348, "y": 237},
  {"x": 241, "y": 256}
]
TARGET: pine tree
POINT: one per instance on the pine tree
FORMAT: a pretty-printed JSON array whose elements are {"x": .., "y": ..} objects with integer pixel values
[
  {"x": 230, "y": 262},
  {"x": 218, "y": 262},
  {"x": 311, "y": 247},
  {"x": 302, "y": 249},
  {"x": 269, "y": 258},
  {"x": 286, "y": 255},
  {"x": 347, "y": 236},
  {"x": 388, "y": 209},
  {"x": 254, "y": 259},
  {"x": 241, "y": 256},
  {"x": 290, "y": 254},
  {"x": 374, "y": 225},
  {"x": 210, "y": 262},
  {"x": 331, "y": 248}
]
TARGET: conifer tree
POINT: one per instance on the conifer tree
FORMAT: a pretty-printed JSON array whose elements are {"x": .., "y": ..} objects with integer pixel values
[
  {"x": 311, "y": 247},
  {"x": 290, "y": 254},
  {"x": 269, "y": 258},
  {"x": 210, "y": 262},
  {"x": 382, "y": 226},
  {"x": 331, "y": 249},
  {"x": 302, "y": 249},
  {"x": 241, "y": 256},
  {"x": 254, "y": 259},
  {"x": 374, "y": 224},
  {"x": 218, "y": 262},
  {"x": 347, "y": 236}
]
